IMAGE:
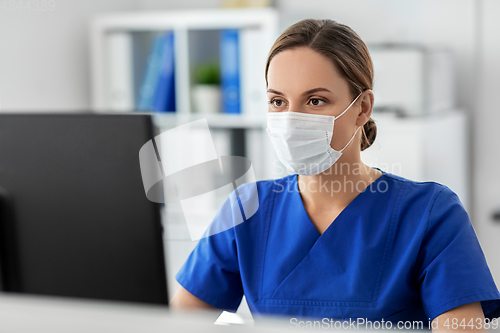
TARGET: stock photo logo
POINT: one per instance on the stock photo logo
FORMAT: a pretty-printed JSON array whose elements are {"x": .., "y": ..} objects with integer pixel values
[{"x": 186, "y": 156}]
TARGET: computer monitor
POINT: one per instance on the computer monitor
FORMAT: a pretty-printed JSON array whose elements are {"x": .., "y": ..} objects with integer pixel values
[{"x": 74, "y": 219}]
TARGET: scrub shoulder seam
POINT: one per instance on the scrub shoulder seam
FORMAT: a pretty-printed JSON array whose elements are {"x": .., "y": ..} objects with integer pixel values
[
  {"x": 432, "y": 207},
  {"x": 415, "y": 182}
]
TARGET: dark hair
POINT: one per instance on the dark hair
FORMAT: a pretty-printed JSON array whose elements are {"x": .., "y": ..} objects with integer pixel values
[{"x": 344, "y": 47}]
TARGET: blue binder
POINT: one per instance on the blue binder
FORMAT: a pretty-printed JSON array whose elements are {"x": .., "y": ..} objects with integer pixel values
[
  {"x": 158, "y": 89},
  {"x": 230, "y": 71},
  {"x": 165, "y": 89},
  {"x": 148, "y": 88}
]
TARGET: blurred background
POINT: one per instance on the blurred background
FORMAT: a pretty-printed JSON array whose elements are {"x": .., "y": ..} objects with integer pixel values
[{"x": 436, "y": 78}]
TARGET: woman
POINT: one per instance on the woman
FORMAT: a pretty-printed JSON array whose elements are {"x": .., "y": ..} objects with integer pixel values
[{"x": 338, "y": 239}]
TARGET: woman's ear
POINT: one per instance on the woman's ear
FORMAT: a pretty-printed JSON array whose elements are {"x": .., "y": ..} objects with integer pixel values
[{"x": 365, "y": 113}]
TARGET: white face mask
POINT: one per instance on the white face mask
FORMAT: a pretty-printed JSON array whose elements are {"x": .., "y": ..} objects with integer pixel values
[{"x": 302, "y": 140}]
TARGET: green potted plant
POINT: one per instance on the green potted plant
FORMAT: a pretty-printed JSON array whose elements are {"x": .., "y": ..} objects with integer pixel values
[{"x": 206, "y": 91}]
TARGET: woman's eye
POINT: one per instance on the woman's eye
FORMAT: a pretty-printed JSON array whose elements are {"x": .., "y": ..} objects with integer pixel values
[
  {"x": 277, "y": 103},
  {"x": 316, "y": 101}
]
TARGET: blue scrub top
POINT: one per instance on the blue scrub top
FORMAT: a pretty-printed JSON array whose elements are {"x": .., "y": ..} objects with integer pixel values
[{"x": 401, "y": 250}]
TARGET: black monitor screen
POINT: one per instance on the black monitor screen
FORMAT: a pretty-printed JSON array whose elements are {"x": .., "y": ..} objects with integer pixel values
[{"x": 74, "y": 217}]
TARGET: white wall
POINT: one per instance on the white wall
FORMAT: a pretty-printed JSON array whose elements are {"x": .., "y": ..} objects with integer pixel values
[
  {"x": 428, "y": 22},
  {"x": 183, "y": 4},
  {"x": 44, "y": 56},
  {"x": 486, "y": 152}
]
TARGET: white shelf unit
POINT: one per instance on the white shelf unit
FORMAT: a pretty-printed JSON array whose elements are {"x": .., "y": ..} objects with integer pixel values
[
  {"x": 195, "y": 32},
  {"x": 167, "y": 120},
  {"x": 182, "y": 24}
]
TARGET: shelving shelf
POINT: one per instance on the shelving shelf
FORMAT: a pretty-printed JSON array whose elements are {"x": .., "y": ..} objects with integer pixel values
[
  {"x": 182, "y": 24},
  {"x": 167, "y": 120}
]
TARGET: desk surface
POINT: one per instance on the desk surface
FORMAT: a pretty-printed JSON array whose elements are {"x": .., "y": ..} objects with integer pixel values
[{"x": 20, "y": 313}]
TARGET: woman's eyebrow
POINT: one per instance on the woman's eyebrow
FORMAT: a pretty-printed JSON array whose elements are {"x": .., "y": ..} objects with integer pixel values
[
  {"x": 312, "y": 91},
  {"x": 275, "y": 92}
]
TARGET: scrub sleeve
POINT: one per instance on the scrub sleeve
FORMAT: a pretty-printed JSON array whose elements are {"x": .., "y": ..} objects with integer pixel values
[
  {"x": 452, "y": 269},
  {"x": 211, "y": 271}
]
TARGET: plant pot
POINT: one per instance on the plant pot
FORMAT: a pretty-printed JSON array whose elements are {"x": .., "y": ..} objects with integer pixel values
[{"x": 206, "y": 98}]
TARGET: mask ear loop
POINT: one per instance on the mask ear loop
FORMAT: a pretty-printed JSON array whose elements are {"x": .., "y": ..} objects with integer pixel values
[
  {"x": 349, "y": 106},
  {"x": 350, "y": 140}
]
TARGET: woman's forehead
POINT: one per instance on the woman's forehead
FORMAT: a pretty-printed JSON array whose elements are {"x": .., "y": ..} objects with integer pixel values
[{"x": 301, "y": 69}]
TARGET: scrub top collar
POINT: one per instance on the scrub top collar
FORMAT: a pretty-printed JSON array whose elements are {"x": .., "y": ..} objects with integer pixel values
[{"x": 309, "y": 229}]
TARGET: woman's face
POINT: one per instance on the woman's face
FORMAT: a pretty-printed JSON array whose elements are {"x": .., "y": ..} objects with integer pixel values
[{"x": 303, "y": 80}]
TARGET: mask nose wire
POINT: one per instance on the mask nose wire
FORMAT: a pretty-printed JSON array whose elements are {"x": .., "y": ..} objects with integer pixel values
[{"x": 349, "y": 106}]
